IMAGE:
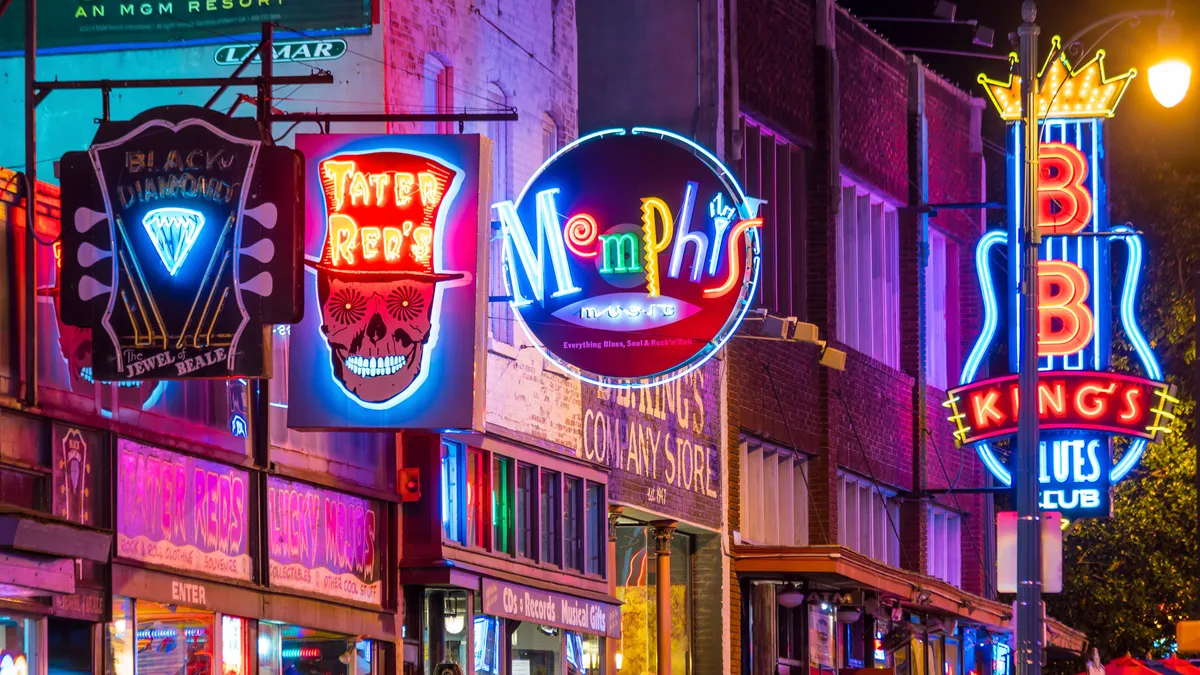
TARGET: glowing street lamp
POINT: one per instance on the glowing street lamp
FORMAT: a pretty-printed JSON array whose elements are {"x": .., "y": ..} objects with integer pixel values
[{"x": 1170, "y": 77}]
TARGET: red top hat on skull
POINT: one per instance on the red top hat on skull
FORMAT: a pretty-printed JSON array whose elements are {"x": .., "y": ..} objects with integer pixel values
[{"x": 382, "y": 215}]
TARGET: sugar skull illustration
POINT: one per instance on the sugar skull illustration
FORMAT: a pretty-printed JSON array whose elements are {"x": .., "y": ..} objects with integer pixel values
[{"x": 377, "y": 279}]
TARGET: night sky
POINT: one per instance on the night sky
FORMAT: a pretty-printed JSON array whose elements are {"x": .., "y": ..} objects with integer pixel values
[{"x": 1141, "y": 124}]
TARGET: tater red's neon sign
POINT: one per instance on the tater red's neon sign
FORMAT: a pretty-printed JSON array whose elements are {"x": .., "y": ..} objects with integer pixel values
[{"x": 1106, "y": 402}]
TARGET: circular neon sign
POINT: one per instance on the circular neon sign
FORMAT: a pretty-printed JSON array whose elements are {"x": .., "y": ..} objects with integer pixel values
[{"x": 630, "y": 256}]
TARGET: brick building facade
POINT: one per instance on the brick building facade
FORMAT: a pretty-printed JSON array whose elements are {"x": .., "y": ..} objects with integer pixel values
[{"x": 879, "y": 134}]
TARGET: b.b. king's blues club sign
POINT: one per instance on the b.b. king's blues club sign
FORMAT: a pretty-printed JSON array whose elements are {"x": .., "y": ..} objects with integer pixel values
[{"x": 1084, "y": 404}]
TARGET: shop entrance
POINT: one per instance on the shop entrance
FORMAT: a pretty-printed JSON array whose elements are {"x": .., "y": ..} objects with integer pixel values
[{"x": 69, "y": 647}]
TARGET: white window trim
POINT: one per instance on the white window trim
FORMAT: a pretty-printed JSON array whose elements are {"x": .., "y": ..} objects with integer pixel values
[
  {"x": 774, "y": 495},
  {"x": 872, "y": 535},
  {"x": 943, "y": 545},
  {"x": 859, "y": 201}
]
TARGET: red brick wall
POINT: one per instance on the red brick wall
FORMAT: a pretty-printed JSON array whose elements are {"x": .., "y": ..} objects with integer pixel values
[
  {"x": 772, "y": 33},
  {"x": 873, "y": 89}
]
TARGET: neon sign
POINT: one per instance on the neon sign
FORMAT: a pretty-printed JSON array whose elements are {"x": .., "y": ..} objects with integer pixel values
[
  {"x": 395, "y": 230},
  {"x": 1082, "y": 402},
  {"x": 630, "y": 256},
  {"x": 180, "y": 244}
]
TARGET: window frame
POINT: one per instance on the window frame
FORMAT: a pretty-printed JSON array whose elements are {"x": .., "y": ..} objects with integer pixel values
[
  {"x": 944, "y": 544},
  {"x": 774, "y": 479},
  {"x": 881, "y": 507},
  {"x": 867, "y": 274}
]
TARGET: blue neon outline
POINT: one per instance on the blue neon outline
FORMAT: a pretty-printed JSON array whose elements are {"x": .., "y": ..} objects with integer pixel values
[
  {"x": 159, "y": 245},
  {"x": 753, "y": 264},
  {"x": 435, "y": 312},
  {"x": 984, "y": 341},
  {"x": 990, "y": 318},
  {"x": 1133, "y": 270}
]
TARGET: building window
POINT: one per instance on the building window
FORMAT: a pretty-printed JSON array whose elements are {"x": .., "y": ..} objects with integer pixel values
[
  {"x": 439, "y": 93},
  {"x": 476, "y": 493},
  {"x": 597, "y": 539},
  {"x": 868, "y": 275},
  {"x": 549, "y": 136},
  {"x": 869, "y": 518},
  {"x": 774, "y": 495},
  {"x": 573, "y": 524},
  {"x": 452, "y": 488},
  {"x": 772, "y": 168},
  {"x": 526, "y": 510},
  {"x": 551, "y": 507},
  {"x": 941, "y": 315},
  {"x": 944, "y": 545},
  {"x": 502, "y": 504}
]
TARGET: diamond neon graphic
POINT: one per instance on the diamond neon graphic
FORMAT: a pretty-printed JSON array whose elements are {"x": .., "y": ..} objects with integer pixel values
[{"x": 174, "y": 231}]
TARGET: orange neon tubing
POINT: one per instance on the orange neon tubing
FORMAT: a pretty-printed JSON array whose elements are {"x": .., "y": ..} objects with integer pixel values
[{"x": 734, "y": 258}]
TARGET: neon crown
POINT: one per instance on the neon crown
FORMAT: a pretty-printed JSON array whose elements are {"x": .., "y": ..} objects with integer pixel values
[{"x": 1085, "y": 92}]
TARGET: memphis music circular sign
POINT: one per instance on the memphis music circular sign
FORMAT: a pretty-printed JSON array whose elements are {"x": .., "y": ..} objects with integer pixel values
[{"x": 631, "y": 256}]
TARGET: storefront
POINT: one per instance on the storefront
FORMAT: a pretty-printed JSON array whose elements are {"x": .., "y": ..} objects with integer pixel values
[
  {"x": 826, "y": 609},
  {"x": 54, "y": 551},
  {"x": 504, "y": 563},
  {"x": 223, "y": 570},
  {"x": 663, "y": 448}
]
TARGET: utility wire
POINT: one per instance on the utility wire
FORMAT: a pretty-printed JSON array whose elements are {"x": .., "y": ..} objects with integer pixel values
[
  {"x": 987, "y": 577},
  {"x": 792, "y": 442},
  {"x": 871, "y": 472}
]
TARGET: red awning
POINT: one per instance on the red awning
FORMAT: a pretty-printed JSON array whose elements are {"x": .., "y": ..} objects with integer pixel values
[
  {"x": 1127, "y": 665},
  {"x": 1180, "y": 666}
]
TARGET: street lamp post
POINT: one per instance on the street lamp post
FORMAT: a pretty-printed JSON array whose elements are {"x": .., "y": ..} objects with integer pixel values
[{"x": 1029, "y": 615}]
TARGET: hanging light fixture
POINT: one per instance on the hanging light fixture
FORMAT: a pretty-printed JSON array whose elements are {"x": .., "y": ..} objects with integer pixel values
[
  {"x": 1171, "y": 76},
  {"x": 790, "y": 596}
]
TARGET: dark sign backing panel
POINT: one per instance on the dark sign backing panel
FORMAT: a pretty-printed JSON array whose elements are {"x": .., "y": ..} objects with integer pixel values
[
  {"x": 182, "y": 243},
  {"x": 113, "y": 25}
]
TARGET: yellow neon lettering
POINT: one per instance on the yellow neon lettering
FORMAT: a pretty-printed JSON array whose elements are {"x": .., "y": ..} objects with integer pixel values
[
  {"x": 654, "y": 210},
  {"x": 379, "y": 181},
  {"x": 359, "y": 192},
  {"x": 422, "y": 236},
  {"x": 370, "y": 242},
  {"x": 392, "y": 241},
  {"x": 429, "y": 186},
  {"x": 404, "y": 189},
  {"x": 344, "y": 238},
  {"x": 333, "y": 175}
]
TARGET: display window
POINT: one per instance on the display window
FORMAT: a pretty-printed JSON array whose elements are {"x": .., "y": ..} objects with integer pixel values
[
  {"x": 18, "y": 645},
  {"x": 445, "y": 624},
  {"x": 583, "y": 654},
  {"x": 488, "y": 648},
  {"x": 150, "y": 638},
  {"x": 294, "y": 650},
  {"x": 637, "y": 583},
  {"x": 536, "y": 650}
]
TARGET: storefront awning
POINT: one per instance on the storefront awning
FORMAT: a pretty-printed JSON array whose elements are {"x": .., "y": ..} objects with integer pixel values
[
  {"x": 842, "y": 568},
  {"x": 36, "y": 533},
  {"x": 38, "y": 554}
]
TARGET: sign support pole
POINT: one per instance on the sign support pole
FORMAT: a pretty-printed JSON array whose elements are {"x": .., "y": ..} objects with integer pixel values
[
  {"x": 1028, "y": 614},
  {"x": 31, "y": 374}
]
